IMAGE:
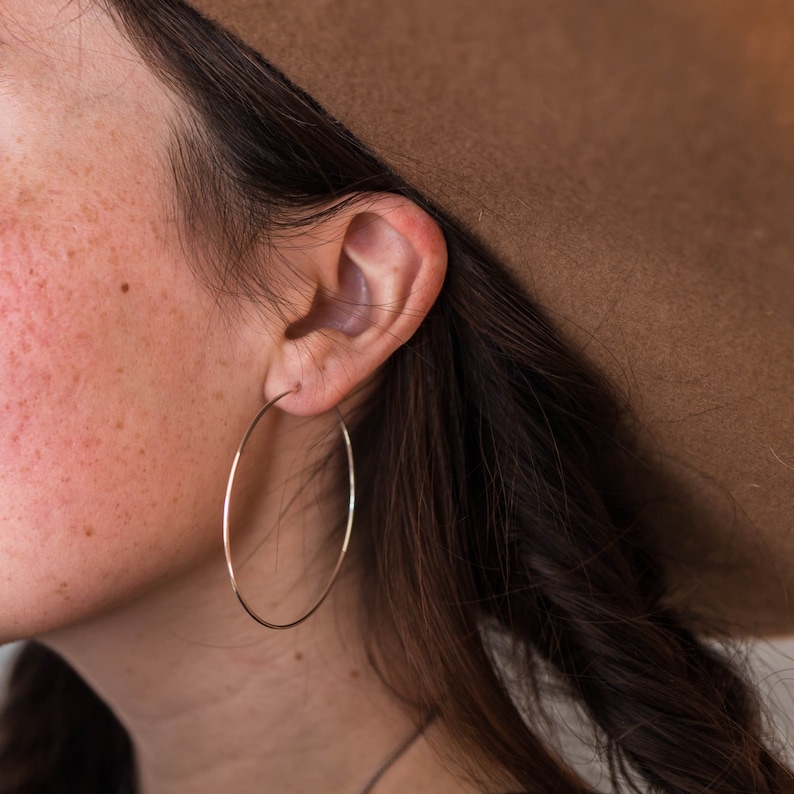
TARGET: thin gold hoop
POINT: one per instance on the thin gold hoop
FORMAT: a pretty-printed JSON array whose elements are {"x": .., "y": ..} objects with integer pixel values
[{"x": 226, "y": 530}]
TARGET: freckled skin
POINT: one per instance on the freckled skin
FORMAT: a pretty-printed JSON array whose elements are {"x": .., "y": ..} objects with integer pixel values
[
  {"x": 136, "y": 400},
  {"x": 115, "y": 441}
]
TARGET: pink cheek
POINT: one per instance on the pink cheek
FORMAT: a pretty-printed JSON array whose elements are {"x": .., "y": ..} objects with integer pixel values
[{"x": 55, "y": 354}]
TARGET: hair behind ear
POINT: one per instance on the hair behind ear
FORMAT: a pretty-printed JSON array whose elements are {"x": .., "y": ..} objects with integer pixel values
[{"x": 501, "y": 492}]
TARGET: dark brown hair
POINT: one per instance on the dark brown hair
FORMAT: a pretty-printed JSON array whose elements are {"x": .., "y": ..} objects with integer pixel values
[{"x": 511, "y": 541}]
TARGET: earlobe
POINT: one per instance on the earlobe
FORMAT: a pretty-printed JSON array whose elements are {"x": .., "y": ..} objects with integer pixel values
[{"x": 377, "y": 268}]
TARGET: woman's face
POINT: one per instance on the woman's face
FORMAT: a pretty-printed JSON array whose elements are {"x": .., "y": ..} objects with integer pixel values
[{"x": 119, "y": 396}]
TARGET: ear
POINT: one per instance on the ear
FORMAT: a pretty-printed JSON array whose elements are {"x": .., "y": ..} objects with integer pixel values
[{"x": 362, "y": 283}]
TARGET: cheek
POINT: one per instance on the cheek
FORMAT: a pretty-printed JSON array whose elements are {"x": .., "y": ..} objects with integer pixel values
[
  {"x": 115, "y": 434},
  {"x": 116, "y": 428}
]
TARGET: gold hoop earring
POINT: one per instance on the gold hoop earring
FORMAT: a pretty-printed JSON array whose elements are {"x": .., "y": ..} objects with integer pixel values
[{"x": 226, "y": 531}]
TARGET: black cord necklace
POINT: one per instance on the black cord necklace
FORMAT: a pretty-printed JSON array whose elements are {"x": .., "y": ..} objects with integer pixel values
[{"x": 394, "y": 757}]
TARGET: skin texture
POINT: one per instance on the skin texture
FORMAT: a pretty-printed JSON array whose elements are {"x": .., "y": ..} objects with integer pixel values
[
  {"x": 103, "y": 383},
  {"x": 125, "y": 388},
  {"x": 124, "y": 392}
]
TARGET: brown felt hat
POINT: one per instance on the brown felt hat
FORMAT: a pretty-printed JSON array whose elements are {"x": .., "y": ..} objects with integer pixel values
[{"x": 633, "y": 161}]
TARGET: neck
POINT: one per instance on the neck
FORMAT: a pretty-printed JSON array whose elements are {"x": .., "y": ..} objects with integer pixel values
[{"x": 213, "y": 701}]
